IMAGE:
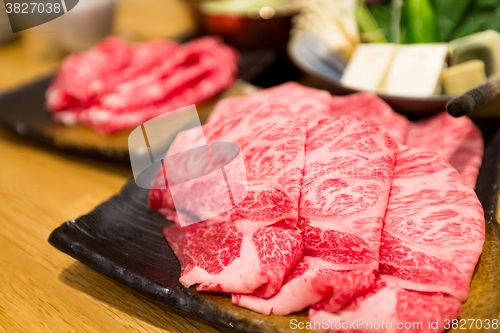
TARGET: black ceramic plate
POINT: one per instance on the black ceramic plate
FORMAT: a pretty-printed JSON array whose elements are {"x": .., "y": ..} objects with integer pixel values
[
  {"x": 122, "y": 238},
  {"x": 303, "y": 52},
  {"x": 22, "y": 111}
]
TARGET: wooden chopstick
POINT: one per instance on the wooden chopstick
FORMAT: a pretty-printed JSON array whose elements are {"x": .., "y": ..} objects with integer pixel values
[{"x": 474, "y": 98}]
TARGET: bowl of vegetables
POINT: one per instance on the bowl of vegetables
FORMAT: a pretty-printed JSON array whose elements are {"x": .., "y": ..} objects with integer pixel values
[{"x": 415, "y": 54}]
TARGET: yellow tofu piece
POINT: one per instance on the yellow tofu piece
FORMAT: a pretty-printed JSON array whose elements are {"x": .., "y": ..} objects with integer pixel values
[{"x": 463, "y": 77}]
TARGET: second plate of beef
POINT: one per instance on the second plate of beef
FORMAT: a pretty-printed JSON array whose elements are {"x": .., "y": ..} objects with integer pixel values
[{"x": 24, "y": 112}]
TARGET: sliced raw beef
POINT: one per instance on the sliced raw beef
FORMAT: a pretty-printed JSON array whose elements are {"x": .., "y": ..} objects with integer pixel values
[
  {"x": 458, "y": 140},
  {"x": 162, "y": 89},
  {"x": 372, "y": 107},
  {"x": 388, "y": 309},
  {"x": 186, "y": 55},
  {"x": 310, "y": 281},
  {"x": 431, "y": 241},
  {"x": 308, "y": 103},
  {"x": 243, "y": 257},
  {"x": 70, "y": 87},
  {"x": 200, "y": 90},
  {"x": 345, "y": 190},
  {"x": 252, "y": 247},
  {"x": 272, "y": 142},
  {"x": 145, "y": 57},
  {"x": 116, "y": 86}
]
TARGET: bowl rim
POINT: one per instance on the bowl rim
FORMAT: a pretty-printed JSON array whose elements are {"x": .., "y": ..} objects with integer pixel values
[
  {"x": 281, "y": 12},
  {"x": 294, "y": 41}
]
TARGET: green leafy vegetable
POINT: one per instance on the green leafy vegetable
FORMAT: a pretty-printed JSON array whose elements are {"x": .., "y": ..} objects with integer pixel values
[
  {"x": 429, "y": 21},
  {"x": 487, "y": 4},
  {"x": 421, "y": 21},
  {"x": 478, "y": 20},
  {"x": 449, "y": 15},
  {"x": 397, "y": 10},
  {"x": 370, "y": 30},
  {"x": 382, "y": 14}
]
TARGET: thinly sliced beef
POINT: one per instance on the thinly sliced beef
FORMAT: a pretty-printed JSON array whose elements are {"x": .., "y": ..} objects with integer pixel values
[
  {"x": 185, "y": 55},
  {"x": 272, "y": 142},
  {"x": 308, "y": 103},
  {"x": 162, "y": 89},
  {"x": 145, "y": 57},
  {"x": 257, "y": 242},
  {"x": 345, "y": 190},
  {"x": 241, "y": 256},
  {"x": 371, "y": 106},
  {"x": 70, "y": 87},
  {"x": 116, "y": 86},
  {"x": 458, "y": 140},
  {"x": 388, "y": 309},
  {"x": 431, "y": 241},
  {"x": 108, "y": 121}
]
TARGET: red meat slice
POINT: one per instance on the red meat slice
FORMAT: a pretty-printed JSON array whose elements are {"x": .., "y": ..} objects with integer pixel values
[
  {"x": 272, "y": 142},
  {"x": 345, "y": 189},
  {"x": 238, "y": 257},
  {"x": 162, "y": 89},
  {"x": 431, "y": 241},
  {"x": 458, "y": 140},
  {"x": 145, "y": 57},
  {"x": 387, "y": 309},
  {"x": 257, "y": 241},
  {"x": 372, "y": 107},
  {"x": 120, "y": 92},
  {"x": 205, "y": 87},
  {"x": 310, "y": 281},
  {"x": 186, "y": 55},
  {"x": 308, "y": 103},
  {"x": 78, "y": 71}
]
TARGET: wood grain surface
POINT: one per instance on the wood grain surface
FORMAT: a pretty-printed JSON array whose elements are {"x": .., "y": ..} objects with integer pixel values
[{"x": 42, "y": 289}]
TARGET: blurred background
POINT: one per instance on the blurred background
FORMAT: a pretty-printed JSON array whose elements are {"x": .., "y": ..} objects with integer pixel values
[{"x": 38, "y": 51}]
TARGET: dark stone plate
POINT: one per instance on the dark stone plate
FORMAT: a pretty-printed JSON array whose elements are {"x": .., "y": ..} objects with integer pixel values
[{"x": 122, "y": 238}]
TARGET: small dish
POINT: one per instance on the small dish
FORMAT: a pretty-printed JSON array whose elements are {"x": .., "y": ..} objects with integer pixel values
[{"x": 304, "y": 54}]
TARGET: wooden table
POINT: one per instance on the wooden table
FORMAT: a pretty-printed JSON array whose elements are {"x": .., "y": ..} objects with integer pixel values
[{"x": 42, "y": 289}]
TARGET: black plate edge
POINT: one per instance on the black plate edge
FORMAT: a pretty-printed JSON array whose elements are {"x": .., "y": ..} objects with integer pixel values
[
  {"x": 29, "y": 132},
  {"x": 179, "y": 297}
]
